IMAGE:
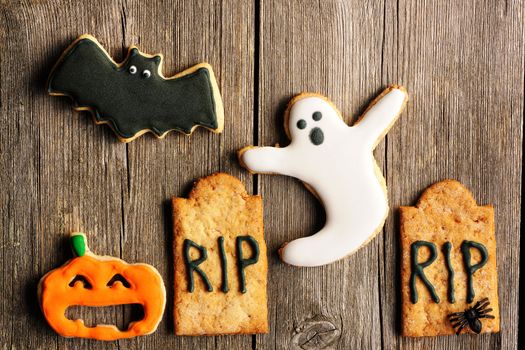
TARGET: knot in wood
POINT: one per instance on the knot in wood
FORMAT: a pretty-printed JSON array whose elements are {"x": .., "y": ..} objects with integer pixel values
[{"x": 315, "y": 333}]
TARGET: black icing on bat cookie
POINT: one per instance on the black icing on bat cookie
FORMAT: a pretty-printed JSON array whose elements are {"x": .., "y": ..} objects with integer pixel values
[{"x": 133, "y": 97}]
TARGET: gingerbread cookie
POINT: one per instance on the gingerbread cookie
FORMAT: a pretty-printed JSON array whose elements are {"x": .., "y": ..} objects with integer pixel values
[
  {"x": 220, "y": 259},
  {"x": 336, "y": 163},
  {"x": 133, "y": 97},
  {"x": 92, "y": 280},
  {"x": 449, "y": 281}
]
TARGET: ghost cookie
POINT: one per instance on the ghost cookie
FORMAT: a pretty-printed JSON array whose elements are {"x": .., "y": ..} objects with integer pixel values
[
  {"x": 336, "y": 163},
  {"x": 133, "y": 97},
  {"x": 92, "y": 280},
  {"x": 449, "y": 280}
]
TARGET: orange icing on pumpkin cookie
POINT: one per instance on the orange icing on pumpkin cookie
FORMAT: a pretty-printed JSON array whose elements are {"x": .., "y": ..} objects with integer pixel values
[{"x": 91, "y": 280}]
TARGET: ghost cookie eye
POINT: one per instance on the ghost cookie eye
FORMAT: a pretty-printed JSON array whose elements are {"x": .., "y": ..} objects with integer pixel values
[
  {"x": 301, "y": 124},
  {"x": 317, "y": 116}
]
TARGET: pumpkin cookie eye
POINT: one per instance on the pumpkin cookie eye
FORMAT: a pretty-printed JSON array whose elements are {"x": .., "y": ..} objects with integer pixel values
[
  {"x": 118, "y": 278},
  {"x": 80, "y": 279}
]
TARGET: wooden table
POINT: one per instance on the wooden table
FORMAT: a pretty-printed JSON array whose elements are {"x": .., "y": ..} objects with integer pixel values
[{"x": 463, "y": 65}]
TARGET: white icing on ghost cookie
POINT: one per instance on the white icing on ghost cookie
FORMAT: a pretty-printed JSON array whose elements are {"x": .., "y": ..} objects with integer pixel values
[{"x": 336, "y": 162}]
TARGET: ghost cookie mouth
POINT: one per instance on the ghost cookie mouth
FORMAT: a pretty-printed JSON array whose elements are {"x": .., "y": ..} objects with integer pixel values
[{"x": 316, "y": 134}]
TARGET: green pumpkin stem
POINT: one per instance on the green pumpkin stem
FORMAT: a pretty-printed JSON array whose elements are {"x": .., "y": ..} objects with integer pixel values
[{"x": 78, "y": 243}]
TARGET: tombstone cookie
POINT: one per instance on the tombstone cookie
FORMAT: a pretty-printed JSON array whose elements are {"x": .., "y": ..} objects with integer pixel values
[
  {"x": 133, "y": 97},
  {"x": 92, "y": 280},
  {"x": 220, "y": 260},
  {"x": 336, "y": 163},
  {"x": 449, "y": 281}
]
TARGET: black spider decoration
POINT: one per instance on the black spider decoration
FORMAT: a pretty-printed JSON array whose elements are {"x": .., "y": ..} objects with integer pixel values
[{"x": 470, "y": 317}]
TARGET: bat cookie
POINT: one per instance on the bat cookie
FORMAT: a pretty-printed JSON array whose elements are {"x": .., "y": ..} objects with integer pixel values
[
  {"x": 92, "y": 280},
  {"x": 334, "y": 161},
  {"x": 133, "y": 97}
]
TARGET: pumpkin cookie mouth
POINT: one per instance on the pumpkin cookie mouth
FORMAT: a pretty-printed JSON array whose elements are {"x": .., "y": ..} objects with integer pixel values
[{"x": 121, "y": 316}]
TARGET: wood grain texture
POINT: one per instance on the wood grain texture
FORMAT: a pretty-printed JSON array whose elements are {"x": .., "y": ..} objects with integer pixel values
[
  {"x": 63, "y": 172},
  {"x": 457, "y": 124},
  {"x": 465, "y": 75},
  {"x": 462, "y": 62},
  {"x": 334, "y": 48}
]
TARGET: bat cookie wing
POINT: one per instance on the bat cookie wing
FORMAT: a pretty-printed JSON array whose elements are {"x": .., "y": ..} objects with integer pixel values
[
  {"x": 190, "y": 97},
  {"x": 75, "y": 72},
  {"x": 133, "y": 97}
]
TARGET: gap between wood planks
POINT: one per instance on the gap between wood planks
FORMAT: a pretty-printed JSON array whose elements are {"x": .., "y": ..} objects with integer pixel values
[
  {"x": 128, "y": 177},
  {"x": 521, "y": 284},
  {"x": 256, "y": 65},
  {"x": 385, "y": 156}
]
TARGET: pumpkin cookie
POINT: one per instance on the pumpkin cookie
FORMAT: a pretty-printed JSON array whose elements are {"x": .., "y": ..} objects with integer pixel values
[
  {"x": 220, "y": 260},
  {"x": 449, "y": 281},
  {"x": 92, "y": 280}
]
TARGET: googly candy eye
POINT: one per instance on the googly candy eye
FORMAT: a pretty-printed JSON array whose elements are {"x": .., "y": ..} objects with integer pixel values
[
  {"x": 146, "y": 73},
  {"x": 133, "y": 69}
]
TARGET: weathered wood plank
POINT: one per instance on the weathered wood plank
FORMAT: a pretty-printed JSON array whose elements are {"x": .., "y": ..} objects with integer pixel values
[
  {"x": 62, "y": 172},
  {"x": 331, "y": 47},
  {"x": 463, "y": 65},
  {"x": 192, "y": 31},
  {"x": 61, "y": 167}
]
